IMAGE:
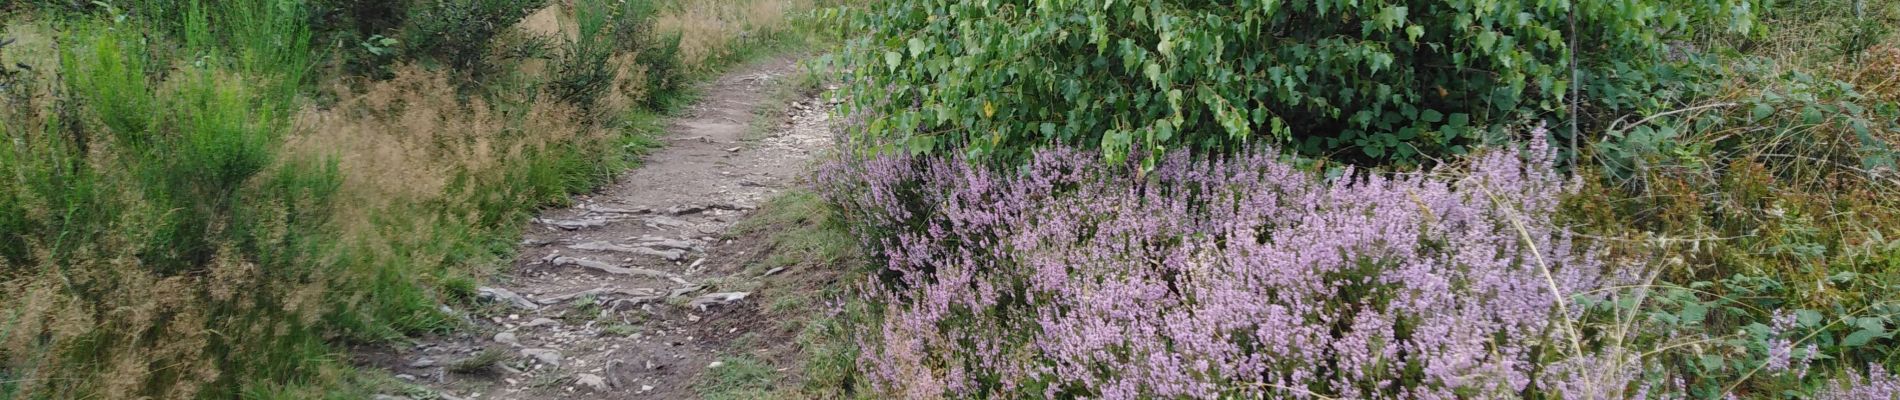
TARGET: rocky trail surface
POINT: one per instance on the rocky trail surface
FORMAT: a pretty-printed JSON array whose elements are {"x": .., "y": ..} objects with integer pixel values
[{"x": 630, "y": 293}]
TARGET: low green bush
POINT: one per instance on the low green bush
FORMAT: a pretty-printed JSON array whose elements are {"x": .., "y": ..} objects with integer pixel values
[
  {"x": 592, "y": 64},
  {"x": 458, "y": 33},
  {"x": 1375, "y": 81}
]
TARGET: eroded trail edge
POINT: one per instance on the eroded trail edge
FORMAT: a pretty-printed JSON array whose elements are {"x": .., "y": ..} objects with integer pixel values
[{"x": 631, "y": 292}]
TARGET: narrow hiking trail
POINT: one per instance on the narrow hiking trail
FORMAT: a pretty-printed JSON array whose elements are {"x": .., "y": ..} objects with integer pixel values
[{"x": 633, "y": 292}]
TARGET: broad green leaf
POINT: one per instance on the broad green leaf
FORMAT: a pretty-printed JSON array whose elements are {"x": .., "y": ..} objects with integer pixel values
[
  {"x": 1761, "y": 111},
  {"x": 1391, "y": 16},
  {"x": 917, "y": 47},
  {"x": 1486, "y": 39},
  {"x": 1459, "y": 120},
  {"x": 1872, "y": 323},
  {"x": 1860, "y": 337},
  {"x": 1711, "y": 362},
  {"x": 1807, "y": 318},
  {"x": 1693, "y": 313}
]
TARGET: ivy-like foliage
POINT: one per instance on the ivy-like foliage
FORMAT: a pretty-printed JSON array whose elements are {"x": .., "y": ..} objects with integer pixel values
[{"x": 1377, "y": 80}]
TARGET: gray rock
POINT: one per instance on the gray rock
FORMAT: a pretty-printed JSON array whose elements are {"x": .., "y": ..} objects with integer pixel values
[
  {"x": 592, "y": 381},
  {"x": 712, "y": 299},
  {"x": 506, "y": 296},
  {"x": 424, "y": 362},
  {"x": 664, "y": 243},
  {"x": 684, "y": 290},
  {"x": 611, "y": 269},
  {"x": 574, "y": 224},
  {"x": 664, "y": 221},
  {"x": 611, "y": 210},
  {"x": 507, "y": 338},
  {"x": 688, "y": 209},
  {"x": 669, "y": 255},
  {"x": 539, "y": 322},
  {"x": 545, "y": 356}
]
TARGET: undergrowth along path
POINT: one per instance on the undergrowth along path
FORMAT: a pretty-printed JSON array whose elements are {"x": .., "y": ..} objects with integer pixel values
[{"x": 635, "y": 291}]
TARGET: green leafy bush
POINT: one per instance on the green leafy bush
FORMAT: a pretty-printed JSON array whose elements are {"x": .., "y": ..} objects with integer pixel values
[
  {"x": 458, "y": 32},
  {"x": 1373, "y": 80},
  {"x": 665, "y": 75},
  {"x": 591, "y": 64}
]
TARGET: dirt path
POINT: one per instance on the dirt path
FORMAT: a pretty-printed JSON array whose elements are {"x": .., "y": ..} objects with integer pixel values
[{"x": 630, "y": 293}]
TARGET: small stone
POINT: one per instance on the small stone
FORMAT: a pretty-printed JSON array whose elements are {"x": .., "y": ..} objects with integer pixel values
[
  {"x": 424, "y": 362},
  {"x": 504, "y": 295},
  {"x": 732, "y": 150},
  {"x": 545, "y": 356},
  {"x": 539, "y": 322},
  {"x": 574, "y": 224},
  {"x": 514, "y": 316},
  {"x": 507, "y": 338},
  {"x": 406, "y": 377},
  {"x": 592, "y": 381},
  {"x": 716, "y": 364},
  {"x": 645, "y": 388},
  {"x": 718, "y": 298}
]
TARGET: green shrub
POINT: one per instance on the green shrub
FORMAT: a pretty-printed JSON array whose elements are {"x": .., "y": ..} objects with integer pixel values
[
  {"x": 1374, "y": 80},
  {"x": 360, "y": 17},
  {"x": 666, "y": 76},
  {"x": 589, "y": 66},
  {"x": 148, "y": 209},
  {"x": 196, "y": 138},
  {"x": 587, "y": 69},
  {"x": 458, "y": 32}
]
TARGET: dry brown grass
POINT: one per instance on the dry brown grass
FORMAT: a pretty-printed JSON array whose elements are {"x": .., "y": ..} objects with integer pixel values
[
  {"x": 556, "y": 20},
  {"x": 1878, "y": 72},
  {"x": 402, "y": 141},
  {"x": 712, "y": 29},
  {"x": 142, "y": 328}
]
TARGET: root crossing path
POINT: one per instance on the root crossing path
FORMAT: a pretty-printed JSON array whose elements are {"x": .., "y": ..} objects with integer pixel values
[{"x": 630, "y": 294}]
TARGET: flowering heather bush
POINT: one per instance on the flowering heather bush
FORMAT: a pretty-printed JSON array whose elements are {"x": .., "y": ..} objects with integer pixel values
[{"x": 1234, "y": 277}]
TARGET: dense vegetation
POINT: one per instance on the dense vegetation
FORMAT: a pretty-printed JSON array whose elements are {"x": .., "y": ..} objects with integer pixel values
[
  {"x": 1379, "y": 80},
  {"x": 1055, "y": 198},
  {"x": 205, "y": 199},
  {"x": 1153, "y": 199}
]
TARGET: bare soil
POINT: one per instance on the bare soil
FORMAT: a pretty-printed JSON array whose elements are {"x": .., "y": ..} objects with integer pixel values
[{"x": 634, "y": 291}]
